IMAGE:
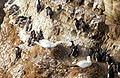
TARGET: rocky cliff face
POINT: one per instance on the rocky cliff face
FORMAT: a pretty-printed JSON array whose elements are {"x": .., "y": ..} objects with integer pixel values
[{"x": 102, "y": 29}]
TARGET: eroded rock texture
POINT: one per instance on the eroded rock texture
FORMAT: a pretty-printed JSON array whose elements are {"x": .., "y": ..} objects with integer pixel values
[{"x": 99, "y": 26}]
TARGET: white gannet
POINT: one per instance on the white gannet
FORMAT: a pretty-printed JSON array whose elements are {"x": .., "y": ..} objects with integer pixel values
[
  {"x": 48, "y": 44},
  {"x": 84, "y": 63}
]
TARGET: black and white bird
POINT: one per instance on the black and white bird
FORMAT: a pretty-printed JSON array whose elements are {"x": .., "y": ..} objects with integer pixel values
[
  {"x": 13, "y": 9},
  {"x": 98, "y": 57},
  {"x": 91, "y": 52},
  {"x": 40, "y": 36},
  {"x": 49, "y": 12},
  {"x": 29, "y": 41},
  {"x": 21, "y": 20},
  {"x": 110, "y": 71},
  {"x": 18, "y": 53},
  {"x": 109, "y": 59},
  {"x": 118, "y": 69},
  {"x": 84, "y": 26},
  {"x": 38, "y": 5},
  {"x": 59, "y": 7},
  {"x": 74, "y": 50},
  {"x": 28, "y": 24},
  {"x": 33, "y": 35},
  {"x": 77, "y": 23}
]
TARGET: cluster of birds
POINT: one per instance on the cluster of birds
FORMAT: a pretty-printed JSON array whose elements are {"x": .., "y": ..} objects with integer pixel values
[
  {"x": 101, "y": 56},
  {"x": 96, "y": 54}
]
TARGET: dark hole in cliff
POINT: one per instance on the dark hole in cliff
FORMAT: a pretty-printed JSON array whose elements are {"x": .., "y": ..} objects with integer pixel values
[{"x": 2, "y": 13}]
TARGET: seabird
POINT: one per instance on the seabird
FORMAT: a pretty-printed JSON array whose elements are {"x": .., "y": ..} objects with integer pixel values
[
  {"x": 29, "y": 41},
  {"x": 40, "y": 36},
  {"x": 59, "y": 7},
  {"x": 28, "y": 23},
  {"x": 109, "y": 59},
  {"x": 77, "y": 23},
  {"x": 33, "y": 35},
  {"x": 83, "y": 25},
  {"x": 110, "y": 71},
  {"x": 21, "y": 20},
  {"x": 75, "y": 51},
  {"x": 49, "y": 12},
  {"x": 118, "y": 69},
  {"x": 13, "y": 9},
  {"x": 84, "y": 63},
  {"x": 38, "y": 5},
  {"x": 98, "y": 57},
  {"x": 91, "y": 52},
  {"x": 48, "y": 44},
  {"x": 72, "y": 14},
  {"x": 18, "y": 53}
]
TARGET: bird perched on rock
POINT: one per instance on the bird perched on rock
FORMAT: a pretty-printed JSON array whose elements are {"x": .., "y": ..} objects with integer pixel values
[
  {"x": 74, "y": 50},
  {"x": 109, "y": 59},
  {"x": 118, "y": 69},
  {"x": 28, "y": 24},
  {"x": 40, "y": 36},
  {"x": 38, "y": 5},
  {"x": 84, "y": 63},
  {"x": 84, "y": 26},
  {"x": 59, "y": 7},
  {"x": 48, "y": 44},
  {"x": 18, "y": 53},
  {"x": 49, "y": 12},
  {"x": 13, "y": 9},
  {"x": 21, "y": 20},
  {"x": 110, "y": 71},
  {"x": 77, "y": 23},
  {"x": 33, "y": 35}
]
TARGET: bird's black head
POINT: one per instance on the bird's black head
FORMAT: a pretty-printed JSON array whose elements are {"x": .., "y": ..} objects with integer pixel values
[
  {"x": 17, "y": 47},
  {"x": 75, "y": 19},
  {"x": 48, "y": 7}
]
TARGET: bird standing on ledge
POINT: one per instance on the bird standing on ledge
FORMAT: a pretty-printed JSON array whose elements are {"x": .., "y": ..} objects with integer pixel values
[
  {"x": 84, "y": 63},
  {"x": 47, "y": 44}
]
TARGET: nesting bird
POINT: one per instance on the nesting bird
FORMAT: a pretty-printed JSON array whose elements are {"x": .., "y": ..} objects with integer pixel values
[
  {"x": 18, "y": 53},
  {"x": 109, "y": 59},
  {"x": 38, "y": 5},
  {"x": 77, "y": 23},
  {"x": 48, "y": 44},
  {"x": 59, "y": 7},
  {"x": 40, "y": 36},
  {"x": 110, "y": 71},
  {"x": 84, "y": 63},
  {"x": 21, "y": 20},
  {"x": 49, "y": 12},
  {"x": 74, "y": 50},
  {"x": 84, "y": 26},
  {"x": 118, "y": 69},
  {"x": 29, "y": 41},
  {"x": 28, "y": 24},
  {"x": 33, "y": 35},
  {"x": 13, "y": 9}
]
